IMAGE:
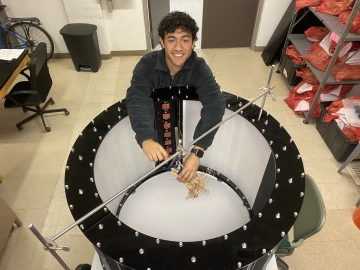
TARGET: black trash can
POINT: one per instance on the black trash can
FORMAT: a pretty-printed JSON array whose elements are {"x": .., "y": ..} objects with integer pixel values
[{"x": 83, "y": 45}]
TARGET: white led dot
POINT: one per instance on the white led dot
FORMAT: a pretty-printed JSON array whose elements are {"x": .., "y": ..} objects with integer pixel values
[
  {"x": 263, "y": 131},
  {"x": 137, "y": 234},
  {"x": 264, "y": 251},
  {"x": 291, "y": 140},
  {"x": 81, "y": 192},
  {"x": 119, "y": 109},
  {"x": 303, "y": 174},
  {"x": 278, "y": 170},
  {"x": 271, "y": 142},
  {"x": 92, "y": 121},
  {"x": 244, "y": 227},
  {"x": 253, "y": 120},
  {"x": 193, "y": 259},
  {"x": 121, "y": 260},
  {"x": 187, "y": 97},
  {"x": 94, "y": 150},
  {"x": 266, "y": 122},
  {"x": 100, "y": 138},
  {"x": 81, "y": 226},
  {"x": 298, "y": 157},
  {"x": 290, "y": 180},
  {"x": 96, "y": 195},
  {"x": 204, "y": 243},
  {"x": 66, "y": 187},
  {"x": 91, "y": 179},
  {"x": 141, "y": 251},
  {"x": 109, "y": 126},
  {"x": 95, "y": 129},
  {"x": 67, "y": 167},
  {"x": 244, "y": 245},
  {"x": 302, "y": 194},
  {"x": 71, "y": 206},
  {"x": 284, "y": 148},
  {"x": 119, "y": 222},
  {"x": 295, "y": 214},
  {"x": 226, "y": 237},
  {"x": 91, "y": 164},
  {"x": 276, "y": 185},
  {"x": 228, "y": 105},
  {"x": 180, "y": 244},
  {"x": 260, "y": 215},
  {"x": 276, "y": 156},
  {"x": 101, "y": 226},
  {"x": 98, "y": 244},
  {"x": 278, "y": 215},
  {"x": 119, "y": 117},
  {"x": 105, "y": 210},
  {"x": 157, "y": 241},
  {"x": 159, "y": 98},
  {"x": 239, "y": 264},
  {"x": 72, "y": 150},
  {"x": 81, "y": 134},
  {"x": 282, "y": 234},
  {"x": 270, "y": 200}
]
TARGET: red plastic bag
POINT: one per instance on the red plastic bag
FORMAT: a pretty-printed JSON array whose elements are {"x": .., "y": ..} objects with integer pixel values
[
  {"x": 294, "y": 55},
  {"x": 316, "y": 33},
  {"x": 345, "y": 88},
  {"x": 335, "y": 7},
  {"x": 307, "y": 76},
  {"x": 318, "y": 58},
  {"x": 306, "y": 3},
  {"x": 346, "y": 72},
  {"x": 344, "y": 16}
]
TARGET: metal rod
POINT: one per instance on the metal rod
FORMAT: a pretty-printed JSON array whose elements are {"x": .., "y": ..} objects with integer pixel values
[
  {"x": 267, "y": 86},
  {"x": 157, "y": 167},
  {"x": 46, "y": 245},
  {"x": 333, "y": 60}
]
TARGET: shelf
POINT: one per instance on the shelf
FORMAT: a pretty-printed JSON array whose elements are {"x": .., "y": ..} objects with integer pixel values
[
  {"x": 301, "y": 43},
  {"x": 334, "y": 25}
]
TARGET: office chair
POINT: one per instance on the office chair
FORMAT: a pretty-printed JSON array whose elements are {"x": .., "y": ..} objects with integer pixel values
[
  {"x": 34, "y": 91},
  {"x": 310, "y": 221}
]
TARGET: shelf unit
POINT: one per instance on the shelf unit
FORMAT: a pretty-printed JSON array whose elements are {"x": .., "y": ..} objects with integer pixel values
[{"x": 301, "y": 43}]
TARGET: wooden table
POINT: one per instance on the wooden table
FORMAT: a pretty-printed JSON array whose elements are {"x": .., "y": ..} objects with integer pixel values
[{"x": 9, "y": 70}]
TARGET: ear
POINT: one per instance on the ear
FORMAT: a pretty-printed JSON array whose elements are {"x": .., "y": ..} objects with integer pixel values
[
  {"x": 193, "y": 45},
  {"x": 162, "y": 43}
]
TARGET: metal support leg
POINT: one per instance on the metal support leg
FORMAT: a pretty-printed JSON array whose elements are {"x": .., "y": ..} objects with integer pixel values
[
  {"x": 352, "y": 156},
  {"x": 47, "y": 246},
  {"x": 18, "y": 222}
]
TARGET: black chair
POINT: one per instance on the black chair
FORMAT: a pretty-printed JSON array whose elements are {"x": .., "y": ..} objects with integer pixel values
[{"x": 34, "y": 91}]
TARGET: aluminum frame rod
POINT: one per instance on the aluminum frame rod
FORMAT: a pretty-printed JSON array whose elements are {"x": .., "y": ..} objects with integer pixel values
[
  {"x": 46, "y": 244},
  {"x": 267, "y": 86},
  {"x": 266, "y": 91}
]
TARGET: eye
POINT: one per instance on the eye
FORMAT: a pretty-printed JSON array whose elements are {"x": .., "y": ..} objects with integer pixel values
[{"x": 185, "y": 40}]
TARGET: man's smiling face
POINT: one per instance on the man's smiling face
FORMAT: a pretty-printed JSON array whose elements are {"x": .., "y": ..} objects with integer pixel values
[{"x": 178, "y": 48}]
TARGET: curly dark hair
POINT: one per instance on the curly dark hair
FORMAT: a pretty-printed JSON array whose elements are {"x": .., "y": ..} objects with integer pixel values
[{"x": 175, "y": 20}]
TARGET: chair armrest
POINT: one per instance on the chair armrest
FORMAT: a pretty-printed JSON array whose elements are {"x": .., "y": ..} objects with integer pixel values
[{"x": 31, "y": 92}]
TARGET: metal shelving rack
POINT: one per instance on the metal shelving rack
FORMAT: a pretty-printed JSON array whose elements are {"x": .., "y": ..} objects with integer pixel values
[{"x": 301, "y": 43}]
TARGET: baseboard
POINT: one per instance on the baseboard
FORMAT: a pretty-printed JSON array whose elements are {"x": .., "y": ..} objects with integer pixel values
[
  {"x": 259, "y": 49},
  {"x": 105, "y": 56}
]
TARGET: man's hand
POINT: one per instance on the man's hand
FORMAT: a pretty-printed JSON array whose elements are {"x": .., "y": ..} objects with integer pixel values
[
  {"x": 191, "y": 165},
  {"x": 154, "y": 151}
]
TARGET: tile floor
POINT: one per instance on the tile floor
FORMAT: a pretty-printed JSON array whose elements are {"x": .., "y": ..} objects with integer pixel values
[{"x": 33, "y": 161}]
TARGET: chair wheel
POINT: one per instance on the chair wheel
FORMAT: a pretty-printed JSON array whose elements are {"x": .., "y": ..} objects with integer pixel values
[
  {"x": 52, "y": 102},
  {"x": 24, "y": 110},
  {"x": 48, "y": 129},
  {"x": 67, "y": 112},
  {"x": 83, "y": 267},
  {"x": 20, "y": 128}
]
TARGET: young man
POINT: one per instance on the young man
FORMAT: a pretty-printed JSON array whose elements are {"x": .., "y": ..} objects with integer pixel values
[{"x": 176, "y": 64}]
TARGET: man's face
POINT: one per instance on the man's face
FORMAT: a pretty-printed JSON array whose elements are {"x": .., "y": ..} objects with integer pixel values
[{"x": 178, "y": 48}]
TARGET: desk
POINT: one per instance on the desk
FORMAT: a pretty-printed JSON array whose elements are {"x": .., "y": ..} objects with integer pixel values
[
  {"x": 10, "y": 70},
  {"x": 8, "y": 73}
]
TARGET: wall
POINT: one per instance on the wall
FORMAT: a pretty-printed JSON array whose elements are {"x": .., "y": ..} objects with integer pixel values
[
  {"x": 195, "y": 10},
  {"x": 273, "y": 11},
  {"x": 51, "y": 13}
]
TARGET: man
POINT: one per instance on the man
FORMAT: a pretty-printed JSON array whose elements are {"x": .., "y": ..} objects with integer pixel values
[{"x": 176, "y": 64}]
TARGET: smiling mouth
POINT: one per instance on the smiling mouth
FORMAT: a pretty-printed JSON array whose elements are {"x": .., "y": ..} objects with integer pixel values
[{"x": 178, "y": 54}]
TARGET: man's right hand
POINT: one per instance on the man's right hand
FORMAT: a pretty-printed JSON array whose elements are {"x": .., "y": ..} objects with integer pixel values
[{"x": 154, "y": 151}]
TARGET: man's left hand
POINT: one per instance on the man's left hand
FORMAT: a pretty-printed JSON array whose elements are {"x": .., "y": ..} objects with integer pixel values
[{"x": 191, "y": 165}]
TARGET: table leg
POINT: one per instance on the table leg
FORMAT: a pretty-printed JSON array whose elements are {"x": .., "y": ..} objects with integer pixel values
[{"x": 18, "y": 222}]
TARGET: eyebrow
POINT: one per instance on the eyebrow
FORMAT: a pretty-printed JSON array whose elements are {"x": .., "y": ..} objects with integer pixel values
[{"x": 181, "y": 36}]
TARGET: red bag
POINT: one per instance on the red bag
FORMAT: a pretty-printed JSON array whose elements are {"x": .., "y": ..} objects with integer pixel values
[
  {"x": 345, "y": 88},
  {"x": 347, "y": 72},
  {"x": 307, "y": 76},
  {"x": 316, "y": 33},
  {"x": 318, "y": 58},
  {"x": 355, "y": 46},
  {"x": 294, "y": 55},
  {"x": 335, "y": 7},
  {"x": 344, "y": 16},
  {"x": 295, "y": 100},
  {"x": 306, "y": 3}
]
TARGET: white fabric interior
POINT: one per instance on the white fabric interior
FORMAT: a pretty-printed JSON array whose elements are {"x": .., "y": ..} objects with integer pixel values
[
  {"x": 239, "y": 150},
  {"x": 159, "y": 208}
]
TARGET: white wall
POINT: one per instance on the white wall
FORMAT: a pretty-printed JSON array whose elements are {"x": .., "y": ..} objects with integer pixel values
[
  {"x": 51, "y": 13},
  {"x": 273, "y": 11},
  {"x": 195, "y": 10}
]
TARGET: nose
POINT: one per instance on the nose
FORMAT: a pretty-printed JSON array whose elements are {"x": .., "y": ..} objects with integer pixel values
[{"x": 178, "y": 45}]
